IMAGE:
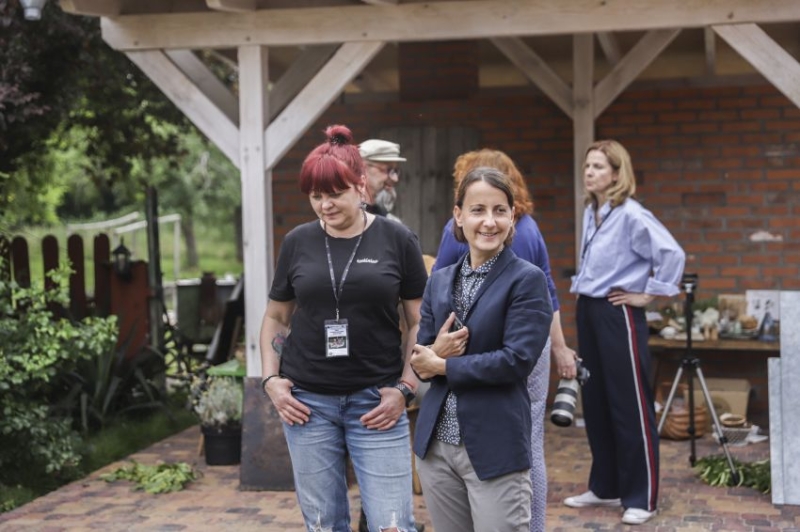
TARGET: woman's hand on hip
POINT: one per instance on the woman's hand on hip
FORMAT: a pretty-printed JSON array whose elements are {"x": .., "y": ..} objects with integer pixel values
[
  {"x": 633, "y": 299},
  {"x": 289, "y": 409},
  {"x": 385, "y": 415}
]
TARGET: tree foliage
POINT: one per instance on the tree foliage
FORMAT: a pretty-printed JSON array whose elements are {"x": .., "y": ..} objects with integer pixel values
[{"x": 59, "y": 80}]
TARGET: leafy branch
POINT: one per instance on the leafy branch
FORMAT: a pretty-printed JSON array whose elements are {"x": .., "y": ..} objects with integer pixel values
[
  {"x": 161, "y": 478},
  {"x": 714, "y": 470}
]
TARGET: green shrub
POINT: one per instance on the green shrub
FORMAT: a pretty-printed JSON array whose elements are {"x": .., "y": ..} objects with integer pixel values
[
  {"x": 35, "y": 349},
  {"x": 111, "y": 384}
]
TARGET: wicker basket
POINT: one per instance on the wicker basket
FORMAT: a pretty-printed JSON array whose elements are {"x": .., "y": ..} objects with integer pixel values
[
  {"x": 676, "y": 426},
  {"x": 736, "y": 435}
]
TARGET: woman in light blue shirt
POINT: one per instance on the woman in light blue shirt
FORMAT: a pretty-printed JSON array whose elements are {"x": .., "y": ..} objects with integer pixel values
[{"x": 627, "y": 259}]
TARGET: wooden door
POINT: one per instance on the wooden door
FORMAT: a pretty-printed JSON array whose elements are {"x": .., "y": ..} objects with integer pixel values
[{"x": 425, "y": 190}]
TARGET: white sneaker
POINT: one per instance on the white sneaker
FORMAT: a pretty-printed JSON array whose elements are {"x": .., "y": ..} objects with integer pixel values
[
  {"x": 589, "y": 499},
  {"x": 636, "y": 516}
]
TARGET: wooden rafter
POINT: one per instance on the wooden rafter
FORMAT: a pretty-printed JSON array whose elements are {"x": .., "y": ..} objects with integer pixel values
[
  {"x": 315, "y": 97},
  {"x": 767, "y": 56},
  {"x": 536, "y": 69},
  {"x": 710, "y": 45},
  {"x": 197, "y": 107},
  {"x": 301, "y": 71},
  {"x": 461, "y": 19},
  {"x": 610, "y": 47},
  {"x": 629, "y": 68},
  {"x": 206, "y": 82}
]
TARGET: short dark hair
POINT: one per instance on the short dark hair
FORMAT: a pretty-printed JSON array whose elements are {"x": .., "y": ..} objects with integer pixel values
[{"x": 494, "y": 178}]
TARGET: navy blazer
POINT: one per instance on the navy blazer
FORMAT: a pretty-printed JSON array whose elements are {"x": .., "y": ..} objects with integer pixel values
[{"x": 509, "y": 323}]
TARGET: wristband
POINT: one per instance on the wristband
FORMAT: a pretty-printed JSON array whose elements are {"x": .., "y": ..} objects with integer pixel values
[
  {"x": 264, "y": 382},
  {"x": 408, "y": 385}
]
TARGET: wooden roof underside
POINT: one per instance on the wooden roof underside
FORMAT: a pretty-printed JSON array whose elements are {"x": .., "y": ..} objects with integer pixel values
[{"x": 544, "y": 28}]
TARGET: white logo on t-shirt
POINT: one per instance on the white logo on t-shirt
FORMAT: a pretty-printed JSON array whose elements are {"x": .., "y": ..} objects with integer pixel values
[{"x": 369, "y": 261}]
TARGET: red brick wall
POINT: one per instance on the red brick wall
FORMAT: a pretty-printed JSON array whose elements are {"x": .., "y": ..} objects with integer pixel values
[{"x": 714, "y": 164}]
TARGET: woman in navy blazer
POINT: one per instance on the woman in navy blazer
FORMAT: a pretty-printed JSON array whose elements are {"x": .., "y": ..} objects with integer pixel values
[{"x": 473, "y": 430}]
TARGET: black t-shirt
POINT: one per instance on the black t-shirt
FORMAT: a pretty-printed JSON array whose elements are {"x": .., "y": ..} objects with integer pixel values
[{"x": 387, "y": 267}]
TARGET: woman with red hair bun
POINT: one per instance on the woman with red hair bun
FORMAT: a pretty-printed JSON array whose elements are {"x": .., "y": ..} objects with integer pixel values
[{"x": 331, "y": 351}]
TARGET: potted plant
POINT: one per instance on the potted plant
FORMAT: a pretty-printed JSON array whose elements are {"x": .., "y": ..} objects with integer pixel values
[{"x": 218, "y": 403}]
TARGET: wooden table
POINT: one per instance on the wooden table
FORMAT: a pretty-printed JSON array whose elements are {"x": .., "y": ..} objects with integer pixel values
[
  {"x": 726, "y": 358},
  {"x": 657, "y": 343}
]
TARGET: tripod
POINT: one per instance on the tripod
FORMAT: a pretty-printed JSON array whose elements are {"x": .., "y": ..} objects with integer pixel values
[{"x": 691, "y": 364}]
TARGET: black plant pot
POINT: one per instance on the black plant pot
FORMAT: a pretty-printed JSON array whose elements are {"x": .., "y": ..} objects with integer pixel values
[{"x": 223, "y": 446}]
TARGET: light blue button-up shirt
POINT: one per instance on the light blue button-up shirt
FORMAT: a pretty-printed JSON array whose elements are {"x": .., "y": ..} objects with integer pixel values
[{"x": 629, "y": 250}]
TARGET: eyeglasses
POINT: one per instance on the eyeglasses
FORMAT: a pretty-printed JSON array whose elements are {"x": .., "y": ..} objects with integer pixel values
[{"x": 390, "y": 171}]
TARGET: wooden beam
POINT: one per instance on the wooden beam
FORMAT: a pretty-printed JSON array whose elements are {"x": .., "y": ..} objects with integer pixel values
[
  {"x": 301, "y": 71},
  {"x": 92, "y": 8},
  {"x": 315, "y": 97},
  {"x": 228, "y": 57},
  {"x": 428, "y": 21},
  {"x": 582, "y": 122},
  {"x": 710, "y": 40},
  {"x": 234, "y": 6},
  {"x": 190, "y": 100},
  {"x": 257, "y": 204},
  {"x": 767, "y": 56},
  {"x": 381, "y": 2},
  {"x": 207, "y": 82},
  {"x": 627, "y": 70},
  {"x": 537, "y": 71},
  {"x": 610, "y": 47}
]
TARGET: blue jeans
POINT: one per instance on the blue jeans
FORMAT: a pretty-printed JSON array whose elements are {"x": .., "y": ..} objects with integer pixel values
[{"x": 381, "y": 459}]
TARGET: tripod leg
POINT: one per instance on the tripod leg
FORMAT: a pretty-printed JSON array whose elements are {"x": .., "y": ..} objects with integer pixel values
[
  {"x": 723, "y": 440},
  {"x": 670, "y": 397}
]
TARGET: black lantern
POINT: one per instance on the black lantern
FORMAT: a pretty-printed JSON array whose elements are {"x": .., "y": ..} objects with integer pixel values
[{"x": 121, "y": 258}]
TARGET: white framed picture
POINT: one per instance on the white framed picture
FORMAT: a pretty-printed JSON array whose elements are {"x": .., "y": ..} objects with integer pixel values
[{"x": 759, "y": 302}]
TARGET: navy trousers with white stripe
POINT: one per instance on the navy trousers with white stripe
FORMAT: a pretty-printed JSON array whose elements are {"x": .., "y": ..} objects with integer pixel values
[{"x": 618, "y": 402}]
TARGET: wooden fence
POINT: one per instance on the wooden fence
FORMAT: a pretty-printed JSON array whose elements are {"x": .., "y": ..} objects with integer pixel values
[{"x": 125, "y": 298}]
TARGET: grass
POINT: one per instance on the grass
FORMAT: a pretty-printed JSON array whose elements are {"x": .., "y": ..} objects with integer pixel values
[
  {"x": 118, "y": 441},
  {"x": 109, "y": 445}
]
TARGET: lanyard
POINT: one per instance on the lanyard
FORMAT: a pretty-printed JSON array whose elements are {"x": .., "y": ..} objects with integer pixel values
[
  {"x": 597, "y": 230},
  {"x": 338, "y": 293}
]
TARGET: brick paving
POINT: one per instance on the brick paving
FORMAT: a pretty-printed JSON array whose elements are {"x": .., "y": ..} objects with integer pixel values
[{"x": 214, "y": 502}]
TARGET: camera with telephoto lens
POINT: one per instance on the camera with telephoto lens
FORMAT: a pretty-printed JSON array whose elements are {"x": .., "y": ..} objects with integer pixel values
[{"x": 567, "y": 397}]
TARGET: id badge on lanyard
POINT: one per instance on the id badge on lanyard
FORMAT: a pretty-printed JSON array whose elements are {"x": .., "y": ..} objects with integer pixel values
[
  {"x": 337, "y": 341},
  {"x": 337, "y": 338}
]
